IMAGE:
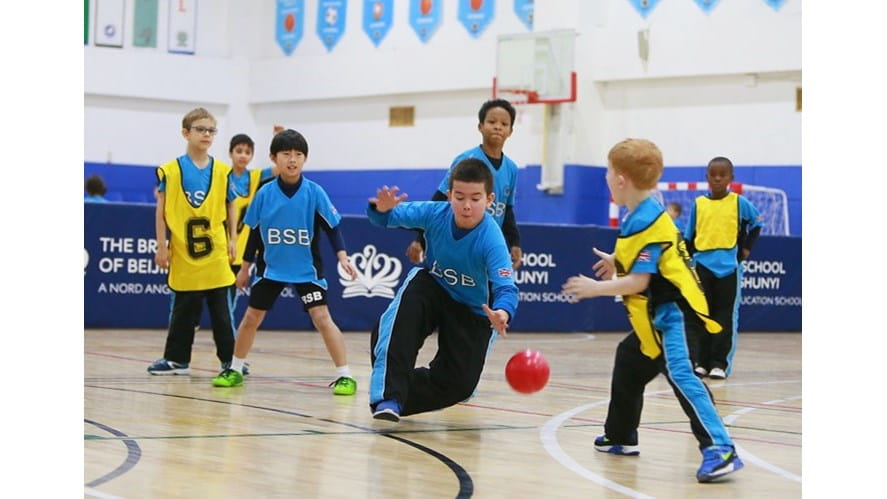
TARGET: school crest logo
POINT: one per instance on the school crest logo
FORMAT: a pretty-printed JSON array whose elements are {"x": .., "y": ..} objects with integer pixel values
[{"x": 377, "y": 274}]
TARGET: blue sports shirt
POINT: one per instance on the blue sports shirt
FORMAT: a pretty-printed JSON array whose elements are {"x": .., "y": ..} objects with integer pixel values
[
  {"x": 289, "y": 234},
  {"x": 463, "y": 262},
  {"x": 504, "y": 181}
]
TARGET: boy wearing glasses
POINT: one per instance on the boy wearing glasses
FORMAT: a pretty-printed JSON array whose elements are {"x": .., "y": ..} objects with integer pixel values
[{"x": 194, "y": 205}]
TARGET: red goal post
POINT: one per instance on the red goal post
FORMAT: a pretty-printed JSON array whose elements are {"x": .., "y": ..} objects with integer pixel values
[{"x": 772, "y": 203}]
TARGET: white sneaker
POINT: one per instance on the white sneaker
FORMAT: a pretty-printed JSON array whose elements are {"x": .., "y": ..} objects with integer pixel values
[
  {"x": 701, "y": 371},
  {"x": 717, "y": 373}
]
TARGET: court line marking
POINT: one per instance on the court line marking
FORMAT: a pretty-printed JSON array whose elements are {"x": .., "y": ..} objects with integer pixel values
[
  {"x": 96, "y": 493},
  {"x": 133, "y": 454},
  {"x": 466, "y": 484},
  {"x": 748, "y": 456},
  {"x": 548, "y": 436}
]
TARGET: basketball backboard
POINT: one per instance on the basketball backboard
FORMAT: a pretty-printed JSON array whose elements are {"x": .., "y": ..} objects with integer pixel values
[{"x": 536, "y": 67}]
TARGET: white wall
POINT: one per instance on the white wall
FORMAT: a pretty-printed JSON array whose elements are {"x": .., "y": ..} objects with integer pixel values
[
  {"x": 721, "y": 83},
  {"x": 692, "y": 96}
]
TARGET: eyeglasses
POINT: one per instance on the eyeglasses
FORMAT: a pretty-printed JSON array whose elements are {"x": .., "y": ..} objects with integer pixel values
[{"x": 203, "y": 129}]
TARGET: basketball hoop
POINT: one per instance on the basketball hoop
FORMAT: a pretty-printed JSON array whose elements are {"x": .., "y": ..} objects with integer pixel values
[{"x": 518, "y": 96}]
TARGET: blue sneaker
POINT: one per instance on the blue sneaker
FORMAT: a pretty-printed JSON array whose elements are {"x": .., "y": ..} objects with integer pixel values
[
  {"x": 604, "y": 444},
  {"x": 388, "y": 410},
  {"x": 167, "y": 367},
  {"x": 227, "y": 365},
  {"x": 717, "y": 461}
]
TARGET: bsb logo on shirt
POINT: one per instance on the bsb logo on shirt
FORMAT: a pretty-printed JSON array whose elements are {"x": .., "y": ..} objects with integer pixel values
[
  {"x": 288, "y": 236},
  {"x": 504, "y": 272},
  {"x": 452, "y": 276},
  {"x": 195, "y": 198},
  {"x": 644, "y": 256}
]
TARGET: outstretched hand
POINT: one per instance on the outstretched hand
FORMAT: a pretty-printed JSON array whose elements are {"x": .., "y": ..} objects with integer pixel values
[
  {"x": 498, "y": 318},
  {"x": 580, "y": 286},
  {"x": 387, "y": 198},
  {"x": 606, "y": 266}
]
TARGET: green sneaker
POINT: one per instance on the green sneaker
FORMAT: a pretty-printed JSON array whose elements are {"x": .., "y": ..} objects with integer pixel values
[
  {"x": 228, "y": 377},
  {"x": 344, "y": 386}
]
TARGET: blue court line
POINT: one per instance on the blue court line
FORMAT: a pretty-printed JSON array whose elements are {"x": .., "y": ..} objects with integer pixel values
[
  {"x": 466, "y": 485},
  {"x": 133, "y": 454}
]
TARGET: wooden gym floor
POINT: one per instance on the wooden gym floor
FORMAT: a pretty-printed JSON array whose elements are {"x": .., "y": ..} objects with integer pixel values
[{"x": 283, "y": 434}]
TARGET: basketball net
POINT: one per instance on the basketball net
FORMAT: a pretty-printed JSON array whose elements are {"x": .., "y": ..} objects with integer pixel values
[{"x": 519, "y": 98}]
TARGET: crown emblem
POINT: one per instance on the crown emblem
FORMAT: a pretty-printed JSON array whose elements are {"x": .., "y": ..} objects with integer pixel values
[{"x": 377, "y": 274}]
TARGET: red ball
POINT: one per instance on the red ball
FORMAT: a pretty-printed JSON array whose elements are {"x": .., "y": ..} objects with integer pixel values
[{"x": 527, "y": 371}]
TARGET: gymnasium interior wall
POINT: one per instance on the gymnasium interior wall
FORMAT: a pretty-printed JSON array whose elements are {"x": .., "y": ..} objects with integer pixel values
[{"x": 717, "y": 83}]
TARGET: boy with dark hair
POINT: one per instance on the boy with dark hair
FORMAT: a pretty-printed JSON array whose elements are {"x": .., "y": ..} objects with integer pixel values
[
  {"x": 721, "y": 230},
  {"x": 193, "y": 204},
  {"x": 466, "y": 259},
  {"x": 245, "y": 183},
  {"x": 662, "y": 296},
  {"x": 285, "y": 215},
  {"x": 495, "y": 124},
  {"x": 95, "y": 189}
]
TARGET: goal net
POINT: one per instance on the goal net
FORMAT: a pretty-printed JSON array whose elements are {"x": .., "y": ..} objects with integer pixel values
[{"x": 771, "y": 203}]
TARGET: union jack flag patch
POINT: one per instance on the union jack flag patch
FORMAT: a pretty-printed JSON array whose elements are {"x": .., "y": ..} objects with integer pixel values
[
  {"x": 504, "y": 272},
  {"x": 644, "y": 256}
]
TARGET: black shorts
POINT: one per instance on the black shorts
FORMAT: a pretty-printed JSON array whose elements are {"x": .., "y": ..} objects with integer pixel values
[{"x": 265, "y": 292}]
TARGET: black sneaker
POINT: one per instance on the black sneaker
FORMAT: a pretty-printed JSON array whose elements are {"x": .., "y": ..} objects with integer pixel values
[{"x": 604, "y": 444}]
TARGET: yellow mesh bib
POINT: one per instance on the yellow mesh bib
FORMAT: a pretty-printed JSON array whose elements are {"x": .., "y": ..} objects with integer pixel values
[
  {"x": 198, "y": 241},
  {"x": 674, "y": 265},
  {"x": 717, "y": 222}
]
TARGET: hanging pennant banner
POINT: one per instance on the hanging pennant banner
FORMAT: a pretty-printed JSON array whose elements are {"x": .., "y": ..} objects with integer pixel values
[
  {"x": 182, "y": 26},
  {"x": 644, "y": 7},
  {"x": 707, "y": 5},
  {"x": 776, "y": 4},
  {"x": 476, "y": 15},
  {"x": 289, "y": 26},
  {"x": 425, "y": 17},
  {"x": 524, "y": 10},
  {"x": 144, "y": 31},
  {"x": 86, "y": 22},
  {"x": 109, "y": 23},
  {"x": 377, "y": 19},
  {"x": 331, "y": 21}
]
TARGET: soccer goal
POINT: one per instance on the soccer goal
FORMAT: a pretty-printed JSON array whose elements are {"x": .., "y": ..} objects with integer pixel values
[{"x": 772, "y": 203}]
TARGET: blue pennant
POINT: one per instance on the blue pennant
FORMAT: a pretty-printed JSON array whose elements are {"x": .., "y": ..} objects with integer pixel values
[
  {"x": 290, "y": 20},
  {"x": 425, "y": 17},
  {"x": 776, "y": 4},
  {"x": 377, "y": 19},
  {"x": 524, "y": 10},
  {"x": 331, "y": 21},
  {"x": 644, "y": 7},
  {"x": 476, "y": 15},
  {"x": 707, "y": 5}
]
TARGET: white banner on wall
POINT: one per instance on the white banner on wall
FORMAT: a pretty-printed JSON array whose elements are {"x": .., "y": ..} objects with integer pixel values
[
  {"x": 182, "y": 26},
  {"x": 109, "y": 23}
]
